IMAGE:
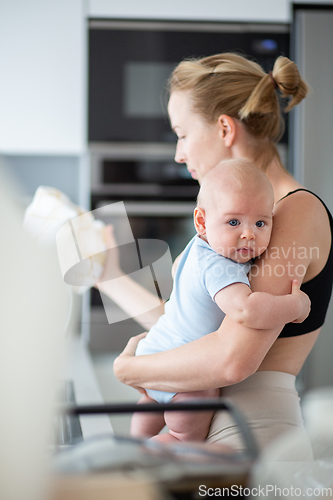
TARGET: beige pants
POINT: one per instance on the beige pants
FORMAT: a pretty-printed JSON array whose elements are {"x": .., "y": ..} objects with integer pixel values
[{"x": 271, "y": 406}]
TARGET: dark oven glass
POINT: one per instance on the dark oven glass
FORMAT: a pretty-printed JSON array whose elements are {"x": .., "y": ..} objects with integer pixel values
[{"x": 130, "y": 62}]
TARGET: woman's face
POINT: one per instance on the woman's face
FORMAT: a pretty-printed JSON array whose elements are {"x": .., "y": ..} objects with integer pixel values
[{"x": 200, "y": 144}]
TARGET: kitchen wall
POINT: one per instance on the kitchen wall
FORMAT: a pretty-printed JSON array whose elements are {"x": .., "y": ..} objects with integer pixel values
[{"x": 313, "y": 149}]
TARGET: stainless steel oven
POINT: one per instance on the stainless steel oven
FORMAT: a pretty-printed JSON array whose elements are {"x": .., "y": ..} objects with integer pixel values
[{"x": 140, "y": 171}]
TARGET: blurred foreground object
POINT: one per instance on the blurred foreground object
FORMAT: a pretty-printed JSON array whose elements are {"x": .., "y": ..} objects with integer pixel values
[
  {"x": 282, "y": 464},
  {"x": 34, "y": 306},
  {"x": 106, "y": 487}
]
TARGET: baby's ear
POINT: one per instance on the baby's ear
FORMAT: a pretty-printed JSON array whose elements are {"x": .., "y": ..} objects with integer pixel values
[{"x": 200, "y": 220}]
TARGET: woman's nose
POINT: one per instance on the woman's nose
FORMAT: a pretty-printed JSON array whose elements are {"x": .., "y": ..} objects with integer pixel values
[{"x": 179, "y": 155}]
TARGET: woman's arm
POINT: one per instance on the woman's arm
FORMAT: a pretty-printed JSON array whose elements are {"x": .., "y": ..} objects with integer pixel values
[
  {"x": 141, "y": 305},
  {"x": 234, "y": 352},
  {"x": 127, "y": 293},
  {"x": 219, "y": 359}
]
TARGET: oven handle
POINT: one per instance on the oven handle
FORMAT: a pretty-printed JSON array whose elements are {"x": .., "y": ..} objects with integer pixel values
[{"x": 151, "y": 209}]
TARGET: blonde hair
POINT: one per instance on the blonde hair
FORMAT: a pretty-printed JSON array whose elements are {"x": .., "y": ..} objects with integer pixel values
[
  {"x": 233, "y": 175},
  {"x": 233, "y": 85}
]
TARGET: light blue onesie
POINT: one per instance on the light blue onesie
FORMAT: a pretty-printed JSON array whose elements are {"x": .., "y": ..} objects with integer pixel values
[{"x": 191, "y": 311}]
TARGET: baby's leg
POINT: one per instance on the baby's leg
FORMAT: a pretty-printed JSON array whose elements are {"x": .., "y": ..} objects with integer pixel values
[
  {"x": 145, "y": 425},
  {"x": 188, "y": 426}
]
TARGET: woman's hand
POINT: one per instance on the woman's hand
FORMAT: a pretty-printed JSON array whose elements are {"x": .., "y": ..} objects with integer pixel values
[
  {"x": 305, "y": 303},
  {"x": 131, "y": 345},
  {"x": 119, "y": 366}
]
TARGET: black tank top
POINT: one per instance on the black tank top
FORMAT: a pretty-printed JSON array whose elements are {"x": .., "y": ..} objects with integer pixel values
[{"x": 319, "y": 290}]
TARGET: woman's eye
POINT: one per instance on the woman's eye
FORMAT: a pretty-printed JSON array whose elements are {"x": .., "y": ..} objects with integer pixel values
[
  {"x": 260, "y": 223},
  {"x": 233, "y": 222}
]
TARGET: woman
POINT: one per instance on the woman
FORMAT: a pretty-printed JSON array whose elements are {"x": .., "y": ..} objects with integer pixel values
[{"x": 226, "y": 106}]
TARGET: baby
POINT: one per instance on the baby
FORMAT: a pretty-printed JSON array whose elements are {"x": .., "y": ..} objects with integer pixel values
[{"x": 233, "y": 220}]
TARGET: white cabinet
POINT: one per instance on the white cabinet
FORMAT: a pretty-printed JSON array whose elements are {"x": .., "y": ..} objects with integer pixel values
[
  {"x": 43, "y": 77},
  {"x": 271, "y": 11},
  {"x": 277, "y": 11}
]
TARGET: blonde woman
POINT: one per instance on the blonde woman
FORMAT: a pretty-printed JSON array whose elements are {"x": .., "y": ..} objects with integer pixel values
[{"x": 221, "y": 107}]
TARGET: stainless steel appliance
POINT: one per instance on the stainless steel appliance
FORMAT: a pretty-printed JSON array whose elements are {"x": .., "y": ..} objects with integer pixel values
[{"x": 130, "y": 61}]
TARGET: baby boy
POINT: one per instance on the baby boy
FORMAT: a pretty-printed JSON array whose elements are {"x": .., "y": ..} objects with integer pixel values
[{"x": 233, "y": 220}]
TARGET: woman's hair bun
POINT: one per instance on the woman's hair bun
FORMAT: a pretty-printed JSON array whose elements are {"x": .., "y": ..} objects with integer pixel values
[
  {"x": 289, "y": 81},
  {"x": 285, "y": 77}
]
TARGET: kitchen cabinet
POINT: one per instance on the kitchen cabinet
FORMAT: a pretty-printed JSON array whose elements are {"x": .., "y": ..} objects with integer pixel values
[
  {"x": 257, "y": 11},
  {"x": 276, "y": 11},
  {"x": 43, "y": 77}
]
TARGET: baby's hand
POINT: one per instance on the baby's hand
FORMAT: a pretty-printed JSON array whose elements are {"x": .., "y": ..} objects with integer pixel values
[{"x": 305, "y": 303}]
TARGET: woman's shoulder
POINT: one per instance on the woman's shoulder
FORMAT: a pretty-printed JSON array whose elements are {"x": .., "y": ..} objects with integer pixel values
[
  {"x": 300, "y": 224},
  {"x": 301, "y": 209},
  {"x": 300, "y": 197},
  {"x": 302, "y": 221}
]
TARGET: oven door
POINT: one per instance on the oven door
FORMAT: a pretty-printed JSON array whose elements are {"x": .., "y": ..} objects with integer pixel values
[
  {"x": 139, "y": 172},
  {"x": 131, "y": 61},
  {"x": 171, "y": 222}
]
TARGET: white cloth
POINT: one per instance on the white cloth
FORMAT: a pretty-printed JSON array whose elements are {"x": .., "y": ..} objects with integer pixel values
[{"x": 82, "y": 239}]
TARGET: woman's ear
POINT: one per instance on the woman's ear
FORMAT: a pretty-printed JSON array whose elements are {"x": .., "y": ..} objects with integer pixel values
[
  {"x": 228, "y": 129},
  {"x": 200, "y": 221}
]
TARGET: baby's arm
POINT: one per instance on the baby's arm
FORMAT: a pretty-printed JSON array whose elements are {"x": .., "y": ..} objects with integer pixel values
[{"x": 263, "y": 310}]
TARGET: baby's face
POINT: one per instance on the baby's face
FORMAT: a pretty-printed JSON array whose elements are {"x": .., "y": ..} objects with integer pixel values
[{"x": 239, "y": 224}]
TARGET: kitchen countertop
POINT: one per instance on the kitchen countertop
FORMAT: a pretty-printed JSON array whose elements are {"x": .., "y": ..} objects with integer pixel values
[{"x": 79, "y": 369}]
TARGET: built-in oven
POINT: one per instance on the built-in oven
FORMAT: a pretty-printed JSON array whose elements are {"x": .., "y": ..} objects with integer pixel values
[{"x": 130, "y": 62}]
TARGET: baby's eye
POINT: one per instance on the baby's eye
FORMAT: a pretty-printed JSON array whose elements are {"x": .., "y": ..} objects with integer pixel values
[
  {"x": 233, "y": 222},
  {"x": 260, "y": 223}
]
